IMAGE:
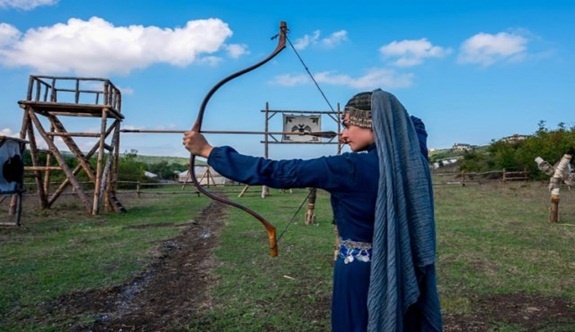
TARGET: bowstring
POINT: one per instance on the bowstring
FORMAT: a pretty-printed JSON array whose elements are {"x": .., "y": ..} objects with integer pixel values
[
  {"x": 294, "y": 215},
  {"x": 332, "y": 109},
  {"x": 310, "y": 74}
]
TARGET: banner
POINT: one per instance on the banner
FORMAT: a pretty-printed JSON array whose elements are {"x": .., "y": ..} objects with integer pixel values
[{"x": 301, "y": 124}]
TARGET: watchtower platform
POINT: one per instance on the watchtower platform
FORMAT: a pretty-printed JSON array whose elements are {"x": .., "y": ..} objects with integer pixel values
[{"x": 50, "y": 102}]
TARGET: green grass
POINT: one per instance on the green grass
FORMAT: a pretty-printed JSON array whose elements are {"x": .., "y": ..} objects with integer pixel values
[
  {"x": 63, "y": 250},
  {"x": 290, "y": 292},
  {"x": 499, "y": 241},
  {"x": 493, "y": 240}
]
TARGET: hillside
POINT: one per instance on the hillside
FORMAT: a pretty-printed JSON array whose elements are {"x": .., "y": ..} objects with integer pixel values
[
  {"x": 170, "y": 160},
  {"x": 442, "y": 154}
]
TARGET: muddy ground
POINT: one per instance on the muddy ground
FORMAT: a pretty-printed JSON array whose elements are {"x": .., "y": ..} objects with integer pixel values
[{"x": 174, "y": 290}]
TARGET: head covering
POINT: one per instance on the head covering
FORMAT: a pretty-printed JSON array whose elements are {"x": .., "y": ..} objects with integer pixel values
[
  {"x": 403, "y": 261},
  {"x": 359, "y": 110}
]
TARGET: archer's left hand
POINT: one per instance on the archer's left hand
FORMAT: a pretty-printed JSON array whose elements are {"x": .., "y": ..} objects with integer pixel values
[{"x": 197, "y": 144}]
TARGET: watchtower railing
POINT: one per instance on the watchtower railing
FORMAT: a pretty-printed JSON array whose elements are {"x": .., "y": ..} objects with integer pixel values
[{"x": 74, "y": 90}]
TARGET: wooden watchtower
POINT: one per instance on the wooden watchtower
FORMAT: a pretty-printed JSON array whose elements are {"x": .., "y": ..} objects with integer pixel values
[{"x": 50, "y": 102}]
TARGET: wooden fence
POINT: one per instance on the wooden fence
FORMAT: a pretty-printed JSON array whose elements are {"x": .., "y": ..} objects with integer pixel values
[{"x": 463, "y": 178}]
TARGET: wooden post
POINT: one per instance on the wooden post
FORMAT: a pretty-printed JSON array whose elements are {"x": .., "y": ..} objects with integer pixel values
[
  {"x": 554, "y": 185},
  {"x": 98, "y": 185},
  {"x": 246, "y": 187},
  {"x": 265, "y": 190},
  {"x": 310, "y": 213},
  {"x": 554, "y": 208}
]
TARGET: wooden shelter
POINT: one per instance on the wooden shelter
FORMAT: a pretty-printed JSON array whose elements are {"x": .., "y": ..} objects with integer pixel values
[
  {"x": 11, "y": 178},
  {"x": 50, "y": 101}
]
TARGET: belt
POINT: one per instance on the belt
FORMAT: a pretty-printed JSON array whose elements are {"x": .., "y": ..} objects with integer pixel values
[{"x": 353, "y": 250}]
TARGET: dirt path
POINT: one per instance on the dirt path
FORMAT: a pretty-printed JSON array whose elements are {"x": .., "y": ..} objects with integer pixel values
[{"x": 169, "y": 293}]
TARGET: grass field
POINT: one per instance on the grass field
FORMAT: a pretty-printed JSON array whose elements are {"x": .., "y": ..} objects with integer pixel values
[{"x": 501, "y": 265}]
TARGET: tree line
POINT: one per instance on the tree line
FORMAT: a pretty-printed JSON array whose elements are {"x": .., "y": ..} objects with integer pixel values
[{"x": 519, "y": 155}]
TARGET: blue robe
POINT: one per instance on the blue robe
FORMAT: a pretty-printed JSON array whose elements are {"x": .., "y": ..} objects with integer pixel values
[{"x": 352, "y": 181}]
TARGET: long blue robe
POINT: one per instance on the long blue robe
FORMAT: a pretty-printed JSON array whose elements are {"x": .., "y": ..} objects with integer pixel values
[{"x": 352, "y": 181}]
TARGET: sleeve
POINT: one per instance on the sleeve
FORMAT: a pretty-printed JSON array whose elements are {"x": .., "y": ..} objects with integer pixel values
[{"x": 330, "y": 173}]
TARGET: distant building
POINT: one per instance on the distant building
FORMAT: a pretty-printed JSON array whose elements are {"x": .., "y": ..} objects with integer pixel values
[
  {"x": 150, "y": 175},
  {"x": 445, "y": 162},
  {"x": 514, "y": 138},
  {"x": 206, "y": 175},
  {"x": 461, "y": 147}
]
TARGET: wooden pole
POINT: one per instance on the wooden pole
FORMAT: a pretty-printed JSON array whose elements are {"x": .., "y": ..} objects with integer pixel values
[
  {"x": 554, "y": 186},
  {"x": 98, "y": 185},
  {"x": 265, "y": 190},
  {"x": 336, "y": 243},
  {"x": 246, "y": 187},
  {"x": 310, "y": 213}
]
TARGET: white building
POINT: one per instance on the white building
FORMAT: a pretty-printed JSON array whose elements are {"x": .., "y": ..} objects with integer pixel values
[{"x": 206, "y": 176}]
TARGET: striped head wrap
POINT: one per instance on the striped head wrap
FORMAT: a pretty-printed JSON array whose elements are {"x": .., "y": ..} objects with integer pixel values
[{"x": 359, "y": 110}]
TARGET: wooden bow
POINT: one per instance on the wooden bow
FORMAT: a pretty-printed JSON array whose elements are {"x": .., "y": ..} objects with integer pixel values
[{"x": 271, "y": 229}]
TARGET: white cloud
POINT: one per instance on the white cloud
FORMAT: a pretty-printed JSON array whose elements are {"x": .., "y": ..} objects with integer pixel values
[
  {"x": 97, "y": 47},
  {"x": 486, "y": 49},
  {"x": 290, "y": 80},
  {"x": 209, "y": 60},
  {"x": 408, "y": 53},
  {"x": 39, "y": 141},
  {"x": 236, "y": 50},
  {"x": 330, "y": 41},
  {"x": 130, "y": 127},
  {"x": 372, "y": 79},
  {"x": 26, "y": 4},
  {"x": 8, "y": 35},
  {"x": 9, "y": 133},
  {"x": 306, "y": 40},
  {"x": 334, "y": 39},
  {"x": 126, "y": 91}
]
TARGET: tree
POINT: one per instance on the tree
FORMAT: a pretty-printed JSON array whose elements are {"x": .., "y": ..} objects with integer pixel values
[
  {"x": 130, "y": 170},
  {"x": 548, "y": 144}
]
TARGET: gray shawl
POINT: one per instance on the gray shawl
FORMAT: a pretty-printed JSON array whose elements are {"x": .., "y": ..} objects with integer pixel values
[{"x": 403, "y": 261}]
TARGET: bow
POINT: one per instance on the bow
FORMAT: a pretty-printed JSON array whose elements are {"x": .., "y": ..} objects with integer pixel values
[{"x": 271, "y": 229}]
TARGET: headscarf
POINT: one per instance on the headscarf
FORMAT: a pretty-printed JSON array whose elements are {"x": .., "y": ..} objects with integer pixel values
[
  {"x": 404, "y": 248},
  {"x": 359, "y": 110}
]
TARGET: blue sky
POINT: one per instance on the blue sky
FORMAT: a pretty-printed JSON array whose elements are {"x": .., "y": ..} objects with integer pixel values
[{"x": 474, "y": 71}]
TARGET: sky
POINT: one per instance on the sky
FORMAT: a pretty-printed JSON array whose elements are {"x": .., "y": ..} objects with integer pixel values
[{"x": 474, "y": 71}]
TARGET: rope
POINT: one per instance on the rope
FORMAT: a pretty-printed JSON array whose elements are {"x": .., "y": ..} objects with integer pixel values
[
  {"x": 294, "y": 215},
  {"x": 310, "y": 75}
]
